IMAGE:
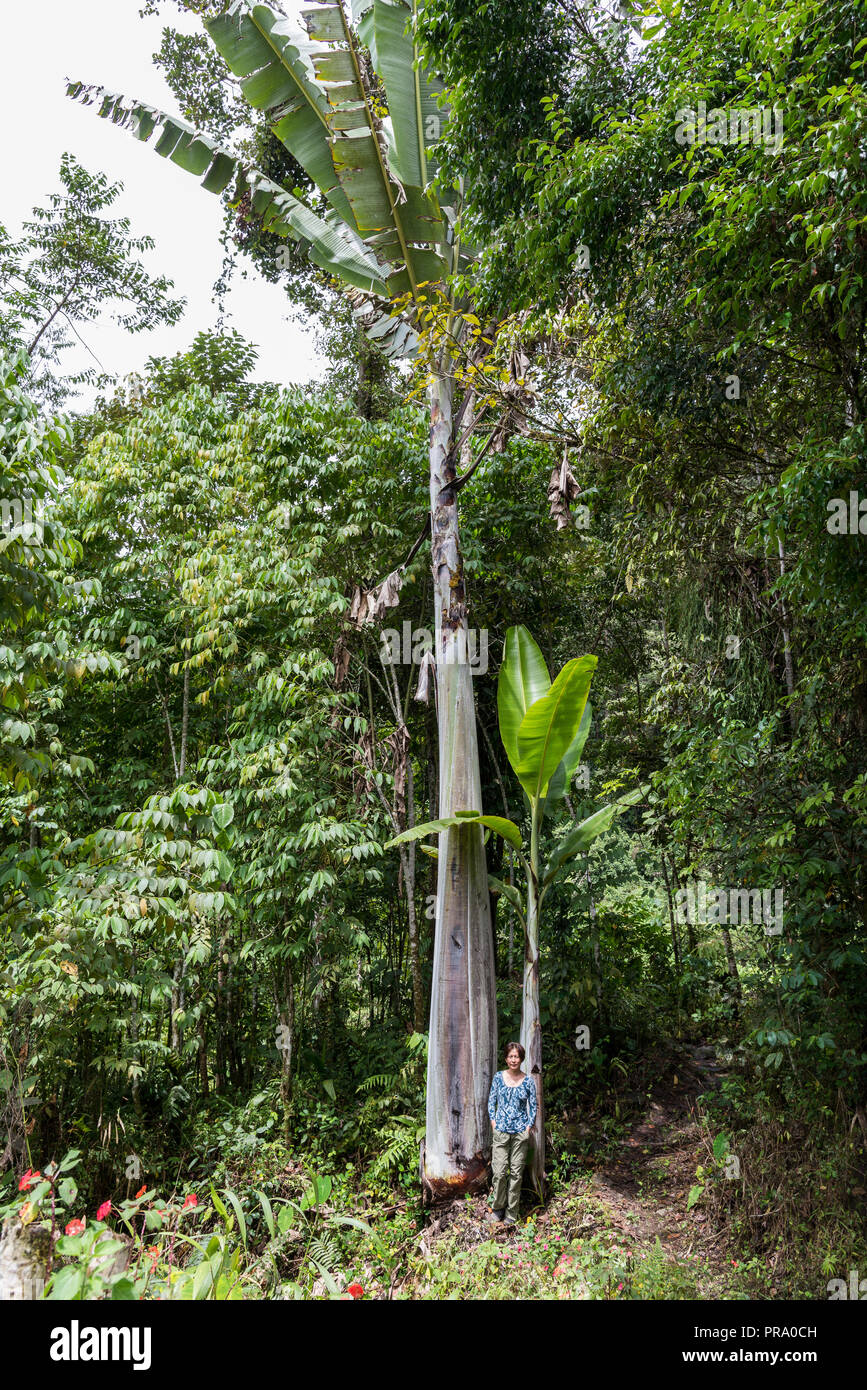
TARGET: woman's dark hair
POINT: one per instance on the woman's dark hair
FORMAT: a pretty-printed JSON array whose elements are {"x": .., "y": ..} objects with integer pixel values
[{"x": 513, "y": 1046}]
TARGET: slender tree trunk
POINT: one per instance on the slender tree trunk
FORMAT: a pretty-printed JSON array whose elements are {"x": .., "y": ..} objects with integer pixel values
[
  {"x": 432, "y": 780},
  {"x": 407, "y": 852},
  {"x": 531, "y": 1025},
  {"x": 675, "y": 940},
  {"x": 363, "y": 390},
  {"x": 412, "y": 919},
  {"x": 46, "y": 324},
  {"x": 732, "y": 965},
  {"x": 498, "y": 849},
  {"x": 495, "y": 850},
  {"x": 232, "y": 1011},
  {"x": 785, "y": 633},
  {"x": 595, "y": 947},
  {"x": 220, "y": 1018},
  {"x": 185, "y": 722},
  {"x": 136, "y": 1052},
  {"x": 463, "y": 1028},
  {"x": 176, "y": 1032},
  {"x": 691, "y": 937},
  {"x": 202, "y": 1031},
  {"x": 171, "y": 736},
  {"x": 286, "y": 1014},
  {"x": 251, "y": 1036},
  {"x": 412, "y": 928},
  {"x": 788, "y": 661}
]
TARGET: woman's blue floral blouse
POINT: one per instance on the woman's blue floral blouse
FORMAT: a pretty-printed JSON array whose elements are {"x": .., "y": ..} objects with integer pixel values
[{"x": 512, "y": 1108}]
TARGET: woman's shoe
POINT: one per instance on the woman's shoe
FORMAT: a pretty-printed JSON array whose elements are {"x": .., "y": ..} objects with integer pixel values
[{"x": 496, "y": 1215}]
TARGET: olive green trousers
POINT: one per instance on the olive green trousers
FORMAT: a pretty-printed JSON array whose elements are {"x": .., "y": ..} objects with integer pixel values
[{"x": 507, "y": 1161}]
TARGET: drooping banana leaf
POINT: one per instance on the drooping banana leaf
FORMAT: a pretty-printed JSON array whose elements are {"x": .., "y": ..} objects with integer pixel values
[
  {"x": 632, "y": 798},
  {"x": 334, "y": 247},
  {"x": 508, "y": 891},
  {"x": 390, "y": 331},
  {"x": 581, "y": 837},
  {"x": 506, "y": 829}
]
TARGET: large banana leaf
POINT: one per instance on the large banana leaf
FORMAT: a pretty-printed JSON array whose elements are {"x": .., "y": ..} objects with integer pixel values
[
  {"x": 551, "y": 724},
  {"x": 522, "y": 681},
  {"x": 385, "y": 235},
  {"x": 581, "y": 837},
  {"x": 334, "y": 247},
  {"x": 506, "y": 829},
  {"x": 260, "y": 48},
  {"x": 559, "y": 783},
  {"x": 415, "y": 113},
  {"x": 406, "y": 222},
  {"x": 632, "y": 798},
  {"x": 416, "y": 116}
]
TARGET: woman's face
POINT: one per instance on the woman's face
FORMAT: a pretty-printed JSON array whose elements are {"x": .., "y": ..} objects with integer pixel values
[{"x": 513, "y": 1059}]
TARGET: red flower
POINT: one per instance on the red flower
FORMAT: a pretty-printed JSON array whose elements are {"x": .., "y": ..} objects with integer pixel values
[
  {"x": 141, "y": 1192},
  {"x": 191, "y": 1200},
  {"x": 103, "y": 1211},
  {"x": 356, "y": 1290},
  {"x": 75, "y": 1227},
  {"x": 28, "y": 1180}
]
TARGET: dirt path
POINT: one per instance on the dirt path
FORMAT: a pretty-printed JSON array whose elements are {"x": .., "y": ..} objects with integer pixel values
[
  {"x": 644, "y": 1189},
  {"x": 633, "y": 1205}
]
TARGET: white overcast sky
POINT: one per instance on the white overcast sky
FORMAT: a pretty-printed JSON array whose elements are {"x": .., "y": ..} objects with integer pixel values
[{"x": 105, "y": 41}]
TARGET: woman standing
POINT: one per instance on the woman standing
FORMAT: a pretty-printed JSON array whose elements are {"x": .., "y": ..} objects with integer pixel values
[{"x": 512, "y": 1108}]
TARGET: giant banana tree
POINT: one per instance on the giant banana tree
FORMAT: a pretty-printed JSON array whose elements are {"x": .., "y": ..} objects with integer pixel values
[
  {"x": 385, "y": 234},
  {"x": 543, "y": 727}
]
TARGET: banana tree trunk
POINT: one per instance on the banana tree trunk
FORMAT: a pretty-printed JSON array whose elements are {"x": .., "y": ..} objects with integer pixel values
[
  {"x": 531, "y": 1025},
  {"x": 462, "y": 1048}
]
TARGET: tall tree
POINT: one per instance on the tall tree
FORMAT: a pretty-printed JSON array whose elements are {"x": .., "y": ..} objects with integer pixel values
[{"x": 394, "y": 242}]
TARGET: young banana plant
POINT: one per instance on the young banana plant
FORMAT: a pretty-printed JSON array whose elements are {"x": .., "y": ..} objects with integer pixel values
[
  {"x": 386, "y": 233},
  {"x": 543, "y": 727}
]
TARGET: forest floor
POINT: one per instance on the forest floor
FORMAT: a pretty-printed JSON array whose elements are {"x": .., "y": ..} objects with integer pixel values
[
  {"x": 621, "y": 1229},
  {"x": 643, "y": 1191}
]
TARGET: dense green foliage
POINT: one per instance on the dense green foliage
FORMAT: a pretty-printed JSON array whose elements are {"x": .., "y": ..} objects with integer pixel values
[
  {"x": 207, "y": 957},
  {"x": 706, "y": 358}
]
